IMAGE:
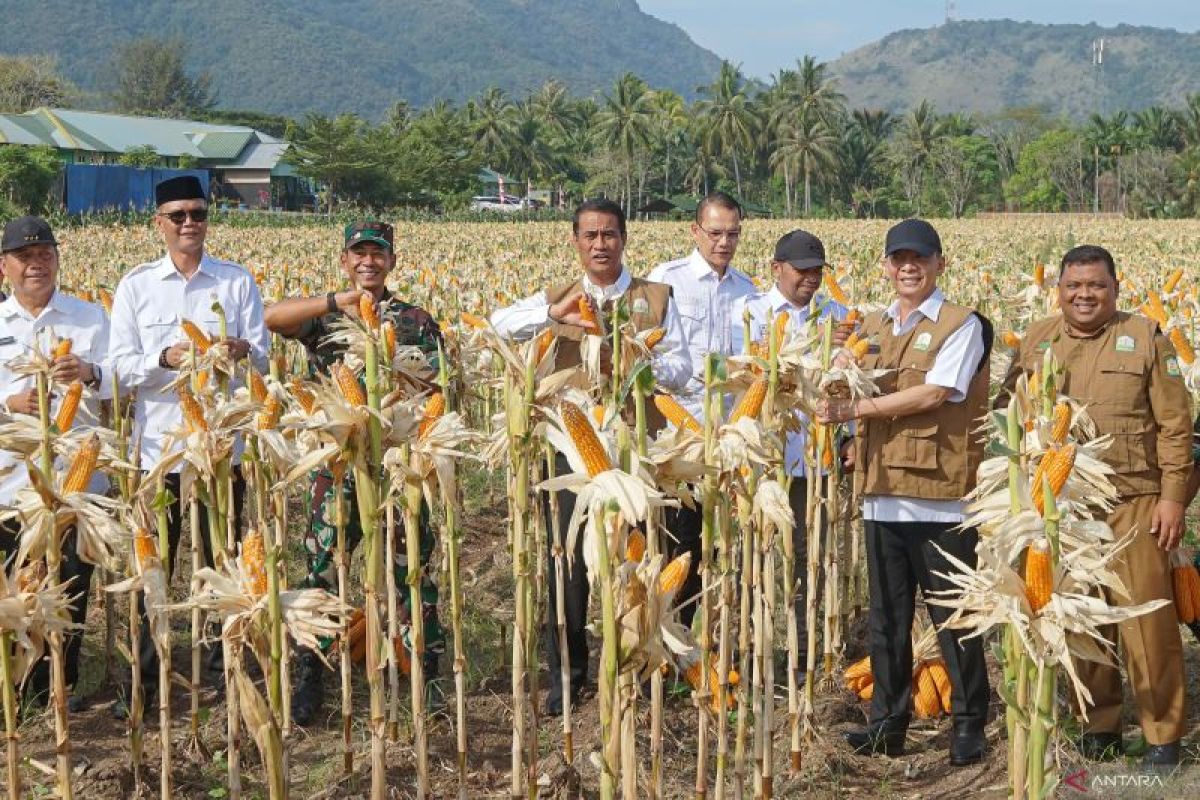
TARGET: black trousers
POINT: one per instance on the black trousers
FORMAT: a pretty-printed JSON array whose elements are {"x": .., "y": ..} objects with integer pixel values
[
  {"x": 798, "y": 500},
  {"x": 900, "y": 559},
  {"x": 147, "y": 655},
  {"x": 72, "y": 569},
  {"x": 575, "y": 594}
]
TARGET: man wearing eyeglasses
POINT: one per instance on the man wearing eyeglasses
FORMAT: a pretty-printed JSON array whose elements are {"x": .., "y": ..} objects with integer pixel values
[
  {"x": 798, "y": 265},
  {"x": 148, "y": 346},
  {"x": 705, "y": 286}
]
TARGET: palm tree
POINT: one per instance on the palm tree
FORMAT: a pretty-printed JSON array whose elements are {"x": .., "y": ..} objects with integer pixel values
[
  {"x": 494, "y": 125},
  {"x": 1109, "y": 139},
  {"x": 529, "y": 151},
  {"x": 624, "y": 124},
  {"x": 670, "y": 122},
  {"x": 807, "y": 144},
  {"x": 1158, "y": 128},
  {"x": 817, "y": 92},
  {"x": 731, "y": 118},
  {"x": 919, "y": 132}
]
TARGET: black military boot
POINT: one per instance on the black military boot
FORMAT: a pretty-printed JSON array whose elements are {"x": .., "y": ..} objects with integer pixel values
[{"x": 308, "y": 687}]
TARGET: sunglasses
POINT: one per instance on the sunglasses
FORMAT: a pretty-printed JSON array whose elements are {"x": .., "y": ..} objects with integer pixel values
[{"x": 195, "y": 215}]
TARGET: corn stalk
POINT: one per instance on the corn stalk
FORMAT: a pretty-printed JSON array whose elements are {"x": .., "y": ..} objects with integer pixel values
[
  {"x": 709, "y": 502},
  {"x": 12, "y": 738}
]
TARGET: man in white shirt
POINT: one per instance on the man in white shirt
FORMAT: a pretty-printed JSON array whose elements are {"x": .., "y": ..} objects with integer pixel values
[
  {"x": 598, "y": 233},
  {"x": 38, "y": 315},
  {"x": 798, "y": 266},
  {"x": 916, "y": 458},
  {"x": 706, "y": 286},
  {"x": 148, "y": 346}
]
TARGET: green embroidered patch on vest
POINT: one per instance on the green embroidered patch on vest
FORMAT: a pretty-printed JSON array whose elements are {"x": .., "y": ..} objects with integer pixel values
[
  {"x": 1173, "y": 367},
  {"x": 1043, "y": 347},
  {"x": 923, "y": 341},
  {"x": 1125, "y": 344}
]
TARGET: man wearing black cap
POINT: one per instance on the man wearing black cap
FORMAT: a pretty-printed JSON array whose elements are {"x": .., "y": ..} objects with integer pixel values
[
  {"x": 148, "y": 345},
  {"x": 798, "y": 266},
  {"x": 367, "y": 259},
  {"x": 39, "y": 315},
  {"x": 916, "y": 458}
]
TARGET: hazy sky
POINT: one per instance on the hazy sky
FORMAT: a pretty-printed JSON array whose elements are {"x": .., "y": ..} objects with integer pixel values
[{"x": 765, "y": 35}]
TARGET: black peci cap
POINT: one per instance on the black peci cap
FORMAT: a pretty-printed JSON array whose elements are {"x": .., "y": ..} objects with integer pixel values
[
  {"x": 913, "y": 234},
  {"x": 182, "y": 187},
  {"x": 800, "y": 249},
  {"x": 26, "y": 231}
]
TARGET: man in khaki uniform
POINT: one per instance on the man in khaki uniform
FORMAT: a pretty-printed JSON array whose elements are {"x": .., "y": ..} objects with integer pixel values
[
  {"x": 598, "y": 235},
  {"x": 916, "y": 458},
  {"x": 1125, "y": 371}
]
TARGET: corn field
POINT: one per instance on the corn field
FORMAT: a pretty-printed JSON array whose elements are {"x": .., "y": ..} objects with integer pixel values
[{"x": 731, "y": 707}]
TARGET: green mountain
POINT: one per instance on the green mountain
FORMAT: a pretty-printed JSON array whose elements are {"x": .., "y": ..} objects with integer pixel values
[
  {"x": 293, "y": 56},
  {"x": 986, "y": 66}
]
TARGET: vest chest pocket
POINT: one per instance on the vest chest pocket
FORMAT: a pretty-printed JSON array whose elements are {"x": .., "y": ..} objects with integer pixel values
[
  {"x": 912, "y": 446},
  {"x": 913, "y": 369},
  {"x": 1134, "y": 447},
  {"x": 1119, "y": 385}
]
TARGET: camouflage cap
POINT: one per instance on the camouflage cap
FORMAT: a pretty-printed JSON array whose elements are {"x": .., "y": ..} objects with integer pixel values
[{"x": 379, "y": 233}]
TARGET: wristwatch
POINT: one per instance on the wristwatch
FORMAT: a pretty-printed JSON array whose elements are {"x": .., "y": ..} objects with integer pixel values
[
  {"x": 331, "y": 302},
  {"x": 97, "y": 376}
]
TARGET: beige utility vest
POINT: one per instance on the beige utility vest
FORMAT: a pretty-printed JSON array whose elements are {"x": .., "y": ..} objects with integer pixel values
[
  {"x": 1110, "y": 375},
  {"x": 933, "y": 455},
  {"x": 647, "y": 303}
]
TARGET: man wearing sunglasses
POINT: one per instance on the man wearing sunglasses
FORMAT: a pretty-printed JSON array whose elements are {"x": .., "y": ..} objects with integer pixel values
[
  {"x": 705, "y": 286},
  {"x": 148, "y": 347}
]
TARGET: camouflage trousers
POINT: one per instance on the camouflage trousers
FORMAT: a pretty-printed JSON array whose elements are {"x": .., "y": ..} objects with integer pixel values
[{"x": 320, "y": 542}]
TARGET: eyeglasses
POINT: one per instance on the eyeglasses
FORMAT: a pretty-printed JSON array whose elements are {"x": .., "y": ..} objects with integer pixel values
[
  {"x": 717, "y": 236},
  {"x": 194, "y": 214}
]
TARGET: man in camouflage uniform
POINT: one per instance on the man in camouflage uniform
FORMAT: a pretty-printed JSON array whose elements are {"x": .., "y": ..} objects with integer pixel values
[{"x": 367, "y": 259}]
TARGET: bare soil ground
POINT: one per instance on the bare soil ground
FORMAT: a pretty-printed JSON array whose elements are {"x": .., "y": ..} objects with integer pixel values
[{"x": 101, "y": 754}]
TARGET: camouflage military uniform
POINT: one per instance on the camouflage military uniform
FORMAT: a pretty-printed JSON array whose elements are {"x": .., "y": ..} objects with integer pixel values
[{"x": 414, "y": 327}]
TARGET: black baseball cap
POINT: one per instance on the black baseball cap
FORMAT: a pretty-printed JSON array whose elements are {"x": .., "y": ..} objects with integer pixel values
[
  {"x": 916, "y": 235},
  {"x": 369, "y": 231},
  {"x": 800, "y": 249},
  {"x": 26, "y": 231}
]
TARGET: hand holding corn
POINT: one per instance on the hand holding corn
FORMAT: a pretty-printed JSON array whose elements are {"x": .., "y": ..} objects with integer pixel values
[
  {"x": 70, "y": 368},
  {"x": 569, "y": 311}
]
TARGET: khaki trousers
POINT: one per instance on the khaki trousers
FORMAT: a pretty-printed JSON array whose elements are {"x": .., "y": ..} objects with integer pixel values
[{"x": 1150, "y": 644}]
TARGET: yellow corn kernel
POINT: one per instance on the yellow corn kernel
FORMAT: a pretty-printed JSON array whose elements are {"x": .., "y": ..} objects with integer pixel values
[
  {"x": 1056, "y": 465},
  {"x": 258, "y": 387},
  {"x": 926, "y": 702},
  {"x": 473, "y": 321},
  {"x": 858, "y": 669},
  {"x": 654, "y": 337},
  {"x": 781, "y": 325},
  {"x": 106, "y": 299},
  {"x": 635, "y": 546},
  {"x": 272, "y": 410},
  {"x": 347, "y": 384},
  {"x": 544, "y": 340},
  {"x": 306, "y": 399},
  {"x": 674, "y": 574},
  {"x": 853, "y": 317},
  {"x": 145, "y": 547},
  {"x": 63, "y": 348},
  {"x": 82, "y": 466},
  {"x": 70, "y": 404},
  {"x": 254, "y": 565},
  {"x": 1185, "y": 607},
  {"x": 1153, "y": 308},
  {"x": 196, "y": 336},
  {"x": 676, "y": 414},
  {"x": 751, "y": 402},
  {"x": 202, "y": 380},
  {"x": 367, "y": 310},
  {"x": 1039, "y": 274},
  {"x": 860, "y": 349},
  {"x": 835, "y": 289},
  {"x": 595, "y": 457},
  {"x": 1061, "y": 422},
  {"x": 587, "y": 315},
  {"x": 1011, "y": 339},
  {"x": 435, "y": 407},
  {"x": 388, "y": 331},
  {"x": 1173, "y": 280},
  {"x": 937, "y": 671},
  {"x": 193, "y": 415},
  {"x": 1183, "y": 348},
  {"x": 1039, "y": 580}
]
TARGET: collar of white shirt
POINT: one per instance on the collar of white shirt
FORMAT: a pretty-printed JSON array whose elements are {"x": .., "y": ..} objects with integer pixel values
[
  {"x": 616, "y": 289},
  {"x": 702, "y": 270},
  {"x": 10, "y": 308},
  {"x": 780, "y": 303},
  {"x": 165, "y": 268},
  {"x": 931, "y": 308}
]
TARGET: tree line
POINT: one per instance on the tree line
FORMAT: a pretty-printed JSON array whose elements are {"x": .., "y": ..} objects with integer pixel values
[{"x": 792, "y": 144}]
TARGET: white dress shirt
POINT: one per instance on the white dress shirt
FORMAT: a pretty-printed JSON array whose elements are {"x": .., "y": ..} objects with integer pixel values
[
  {"x": 759, "y": 305},
  {"x": 526, "y": 318},
  {"x": 64, "y": 317},
  {"x": 953, "y": 368},
  {"x": 150, "y": 302},
  {"x": 706, "y": 309}
]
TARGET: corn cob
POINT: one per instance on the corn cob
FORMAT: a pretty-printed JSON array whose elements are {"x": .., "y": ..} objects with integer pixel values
[
  {"x": 692, "y": 676},
  {"x": 852, "y": 340},
  {"x": 63, "y": 348},
  {"x": 70, "y": 404},
  {"x": 1039, "y": 582},
  {"x": 598, "y": 413},
  {"x": 1056, "y": 465},
  {"x": 859, "y": 668},
  {"x": 1011, "y": 339},
  {"x": 587, "y": 315},
  {"x": 304, "y": 397},
  {"x": 595, "y": 457},
  {"x": 30, "y": 576},
  {"x": 202, "y": 380},
  {"x": 268, "y": 418},
  {"x": 347, "y": 384},
  {"x": 145, "y": 547},
  {"x": 1039, "y": 274},
  {"x": 435, "y": 407},
  {"x": 867, "y": 692},
  {"x": 367, "y": 310},
  {"x": 1192, "y": 583},
  {"x": 676, "y": 414},
  {"x": 674, "y": 574},
  {"x": 544, "y": 340},
  {"x": 835, "y": 290},
  {"x": 751, "y": 402},
  {"x": 193, "y": 415},
  {"x": 1173, "y": 280},
  {"x": 853, "y": 317},
  {"x": 937, "y": 671},
  {"x": 860, "y": 349},
  {"x": 1183, "y": 348},
  {"x": 106, "y": 299},
  {"x": 258, "y": 387},
  {"x": 635, "y": 546},
  {"x": 254, "y": 565},
  {"x": 654, "y": 337},
  {"x": 82, "y": 466},
  {"x": 926, "y": 701},
  {"x": 1185, "y": 606},
  {"x": 781, "y": 325},
  {"x": 388, "y": 334},
  {"x": 197, "y": 337},
  {"x": 473, "y": 321},
  {"x": 1153, "y": 308},
  {"x": 1061, "y": 424}
]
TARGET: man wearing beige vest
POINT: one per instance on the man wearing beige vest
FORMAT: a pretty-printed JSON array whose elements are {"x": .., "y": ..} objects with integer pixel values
[
  {"x": 916, "y": 459},
  {"x": 598, "y": 235},
  {"x": 1122, "y": 368}
]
